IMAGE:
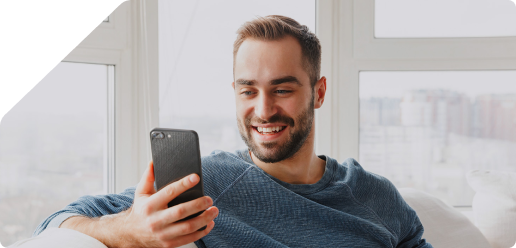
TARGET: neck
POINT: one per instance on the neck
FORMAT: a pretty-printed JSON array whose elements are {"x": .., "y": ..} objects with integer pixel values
[{"x": 304, "y": 167}]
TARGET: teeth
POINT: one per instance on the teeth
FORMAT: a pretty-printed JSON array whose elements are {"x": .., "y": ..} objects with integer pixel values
[{"x": 269, "y": 129}]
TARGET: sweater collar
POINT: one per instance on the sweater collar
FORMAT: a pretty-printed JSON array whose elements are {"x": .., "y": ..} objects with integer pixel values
[{"x": 303, "y": 189}]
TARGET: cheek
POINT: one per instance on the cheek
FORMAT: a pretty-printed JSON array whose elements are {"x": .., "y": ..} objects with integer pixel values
[
  {"x": 292, "y": 107},
  {"x": 242, "y": 109}
]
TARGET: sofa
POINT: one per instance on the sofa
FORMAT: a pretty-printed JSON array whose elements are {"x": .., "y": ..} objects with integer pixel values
[{"x": 491, "y": 223}]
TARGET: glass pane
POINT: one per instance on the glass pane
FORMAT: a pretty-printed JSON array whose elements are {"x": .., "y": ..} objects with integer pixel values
[
  {"x": 426, "y": 130},
  {"x": 444, "y": 18},
  {"x": 196, "y": 63},
  {"x": 52, "y": 147}
]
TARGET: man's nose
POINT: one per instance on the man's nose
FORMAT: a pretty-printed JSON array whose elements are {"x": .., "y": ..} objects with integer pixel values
[{"x": 265, "y": 108}]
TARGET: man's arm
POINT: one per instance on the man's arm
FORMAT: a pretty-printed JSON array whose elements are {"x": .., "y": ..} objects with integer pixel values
[
  {"x": 149, "y": 222},
  {"x": 413, "y": 239},
  {"x": 90, "y": 206},
  {"x": 381, "y": 196}
]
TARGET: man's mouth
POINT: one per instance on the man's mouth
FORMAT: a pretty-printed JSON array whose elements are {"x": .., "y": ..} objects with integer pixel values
[{"x": 269, "y": 130}]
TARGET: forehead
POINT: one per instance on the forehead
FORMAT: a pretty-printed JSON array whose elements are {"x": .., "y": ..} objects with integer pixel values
[{"x": 265, "y": 60}]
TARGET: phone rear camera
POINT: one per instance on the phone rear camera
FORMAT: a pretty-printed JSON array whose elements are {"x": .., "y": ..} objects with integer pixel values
[{"x": 158, "y": 135}]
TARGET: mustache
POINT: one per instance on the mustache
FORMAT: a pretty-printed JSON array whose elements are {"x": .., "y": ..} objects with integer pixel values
[{"x": 277, "y": 118}]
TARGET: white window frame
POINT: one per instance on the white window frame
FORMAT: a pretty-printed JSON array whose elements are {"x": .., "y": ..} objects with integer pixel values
[
  {"x": 346, "y": 31},
  {"x": 129, "y": 41}
]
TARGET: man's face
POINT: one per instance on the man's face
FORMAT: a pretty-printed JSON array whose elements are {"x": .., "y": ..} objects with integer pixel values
[{"x": 274, "y": 99}]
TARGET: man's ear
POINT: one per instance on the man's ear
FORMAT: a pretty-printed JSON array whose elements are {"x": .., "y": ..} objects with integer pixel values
[
  {"x": 320, "y": 92},
  {"x": 233, "y": 85}
]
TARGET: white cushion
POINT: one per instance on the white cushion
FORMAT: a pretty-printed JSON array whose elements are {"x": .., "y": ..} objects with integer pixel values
[
  {"x": 494, "y": 205},
  {"x": 59, "y": 238},
  {"x": 470, "y": 215},
  {"x": 445, "y": 227},
  {"x": 65, "y": 238}
]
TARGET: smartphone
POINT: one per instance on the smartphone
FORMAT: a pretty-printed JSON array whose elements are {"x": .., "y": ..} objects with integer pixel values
[{"x": 176, "y": 154}]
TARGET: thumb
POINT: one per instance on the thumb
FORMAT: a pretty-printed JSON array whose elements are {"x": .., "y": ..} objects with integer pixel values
[{"x": 146, "y": 185}]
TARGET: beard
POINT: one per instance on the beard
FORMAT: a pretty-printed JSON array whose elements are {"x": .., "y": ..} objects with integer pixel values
[{"x": 272, "y": 151}]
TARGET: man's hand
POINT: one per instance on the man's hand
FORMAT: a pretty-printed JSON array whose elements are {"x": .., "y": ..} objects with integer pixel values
[
  {"x": 149, "y": 222},
  {"x": 152, "y": 223}
]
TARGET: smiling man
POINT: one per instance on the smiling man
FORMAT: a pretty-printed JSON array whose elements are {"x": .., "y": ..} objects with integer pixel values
[
  {"x": 277, "y": 88},
  {"x": 276, "y": 193}
]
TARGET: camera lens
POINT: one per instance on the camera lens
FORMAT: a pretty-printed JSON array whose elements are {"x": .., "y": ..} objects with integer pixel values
[{"x": 158, "y": 135}]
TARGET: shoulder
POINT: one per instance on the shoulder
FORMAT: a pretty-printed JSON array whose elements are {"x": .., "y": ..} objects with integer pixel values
[
  {"x": 225, "y": 161},
  {"x": 363, "y": 183},
  {"x": 221, "y": 169},
  {"x": 377, "y": 194}
]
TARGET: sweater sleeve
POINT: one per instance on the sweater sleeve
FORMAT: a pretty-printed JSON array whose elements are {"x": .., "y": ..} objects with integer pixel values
[
  {"x": 90, "y": 206},
  {"x": 380, "y": 196},
  {"x": 413, "y": 238}
]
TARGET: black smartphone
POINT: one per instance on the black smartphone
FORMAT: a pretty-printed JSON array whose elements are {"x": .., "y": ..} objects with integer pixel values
[{"x": 176, "y": 154}]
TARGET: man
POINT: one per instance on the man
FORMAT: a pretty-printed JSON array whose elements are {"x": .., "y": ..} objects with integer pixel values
[{"x": 276, "y": 193}]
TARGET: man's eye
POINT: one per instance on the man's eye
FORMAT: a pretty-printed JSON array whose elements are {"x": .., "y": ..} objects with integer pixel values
[
  {"x": 283, "y": 91},
  {"x": 247, "y": 93}
]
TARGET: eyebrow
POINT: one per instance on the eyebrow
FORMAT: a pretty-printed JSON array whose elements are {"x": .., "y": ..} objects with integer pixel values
[{"x": 287, "y": 79}]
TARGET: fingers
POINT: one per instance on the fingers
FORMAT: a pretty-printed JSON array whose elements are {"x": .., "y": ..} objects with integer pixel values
[
  {"x": 146, "y": 185},
  {"x": 192, "y": 225},
  {"x": 186, "y": 239},
  {"x": 171, "y": 191},
  {"x": 181, "y": 211}
]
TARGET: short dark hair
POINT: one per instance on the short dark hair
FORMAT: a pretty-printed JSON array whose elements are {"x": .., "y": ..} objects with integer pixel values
[{"x": 276, "y": 27}]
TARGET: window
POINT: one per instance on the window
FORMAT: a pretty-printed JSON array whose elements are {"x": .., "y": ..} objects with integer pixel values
[
  {"x": 444, "y": 18},
  {"x": 88, "y": 130},
  {"x": 411, "y": 109},
  {"x": 54, "y": 147},
  {"x": 196, "y": 63},
  {"x": 427, "y": 129}
]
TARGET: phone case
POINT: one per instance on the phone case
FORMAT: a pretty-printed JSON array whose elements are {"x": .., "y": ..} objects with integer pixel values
[{"x": 176, "y": 155}]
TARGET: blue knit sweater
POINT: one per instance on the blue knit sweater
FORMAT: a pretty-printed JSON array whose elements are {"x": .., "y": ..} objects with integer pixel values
[{"x": 348, "y": 207}]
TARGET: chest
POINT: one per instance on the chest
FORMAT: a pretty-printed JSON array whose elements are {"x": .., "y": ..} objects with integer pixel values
[{"x": 275, "y": 217}]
